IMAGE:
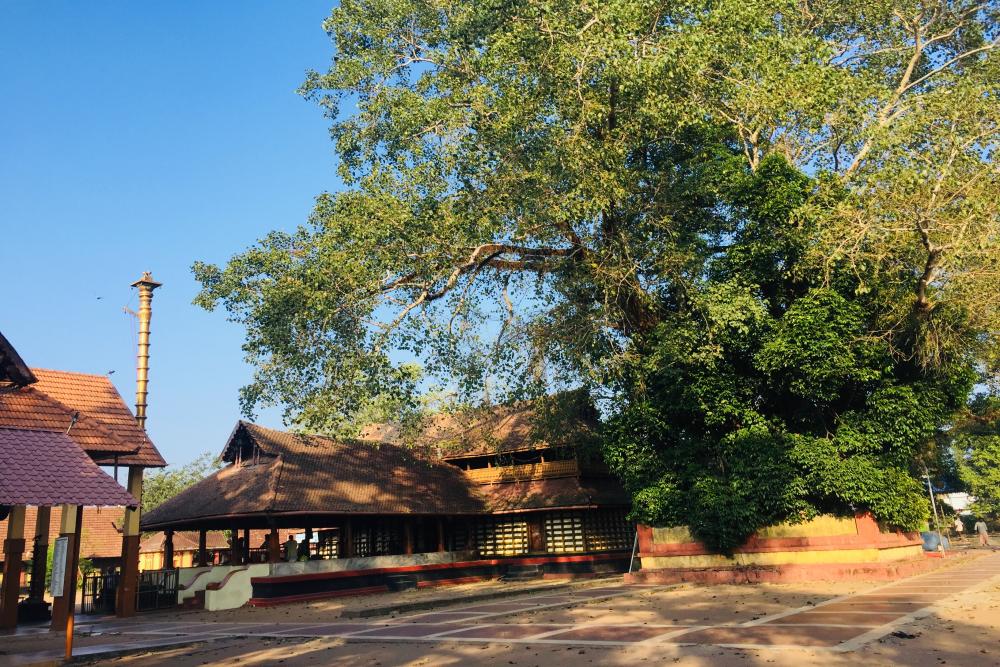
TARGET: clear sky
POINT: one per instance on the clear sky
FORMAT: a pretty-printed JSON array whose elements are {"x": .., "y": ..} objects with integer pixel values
[{"x": 140, "y": 136}]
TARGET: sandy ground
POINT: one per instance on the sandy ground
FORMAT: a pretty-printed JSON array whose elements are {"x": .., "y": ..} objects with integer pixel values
[
  {"x": 333, "y": 608},
  {"x": 962, "y": 632}
]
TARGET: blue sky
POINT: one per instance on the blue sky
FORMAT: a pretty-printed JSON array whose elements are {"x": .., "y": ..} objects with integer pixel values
[{"x": 140, "y": 136}]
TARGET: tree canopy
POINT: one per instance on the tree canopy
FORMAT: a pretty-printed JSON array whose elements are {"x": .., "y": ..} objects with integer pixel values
[
  {"x": 790, "y": 205},
  {"x": 976, "y": 453},
  {"x": 162, "y": 485}
]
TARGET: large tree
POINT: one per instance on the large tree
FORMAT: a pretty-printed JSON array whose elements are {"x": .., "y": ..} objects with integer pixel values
[{"x": 538, "y": 192}]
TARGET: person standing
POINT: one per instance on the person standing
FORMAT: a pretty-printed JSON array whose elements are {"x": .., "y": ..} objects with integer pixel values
[
  {"x": 983, "y": 532},
  {"x": 959, "y": 527},
  {"x": 291, "y": 549}
]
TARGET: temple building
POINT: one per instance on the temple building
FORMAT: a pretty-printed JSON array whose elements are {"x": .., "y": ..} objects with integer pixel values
[{"x": 463, "y": 499}]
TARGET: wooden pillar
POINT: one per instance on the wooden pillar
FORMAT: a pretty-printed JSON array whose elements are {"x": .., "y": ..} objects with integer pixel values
[
  {"x": 202, "y": 548},
  {"x": 273, "y": 547},
  {"x": 246, "y": 546},
  {"x": 408, "y": 533},
  {"x": 61, "y": 604},
  {"x": 235, "y": 552},
  {"x": 13, "y": 555},
  {"x": 470, "y": 536},
  {"x": 309, "y": 539},
  {"x": 72, "y": 569},
  {"x": 348, "y": 539},
  {"x": 168, "y": 550},
  {"x": 128, "y": 584},
  {"x": 440, "y": 526},
  {"x": 35, "y": 608}
]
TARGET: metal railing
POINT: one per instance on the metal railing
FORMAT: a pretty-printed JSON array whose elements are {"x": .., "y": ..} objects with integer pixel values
[
  {"x": 98, "y": 594},
  {"x": 156, "y": 589}
]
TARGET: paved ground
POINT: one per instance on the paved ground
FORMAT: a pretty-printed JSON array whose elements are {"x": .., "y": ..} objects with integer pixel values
[{"x": 613, "y": 624}]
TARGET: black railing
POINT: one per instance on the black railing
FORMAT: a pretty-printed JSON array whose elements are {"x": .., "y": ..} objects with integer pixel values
[
  {"x": 99, "y": 593},
  {"x": 157, "y": 589}
]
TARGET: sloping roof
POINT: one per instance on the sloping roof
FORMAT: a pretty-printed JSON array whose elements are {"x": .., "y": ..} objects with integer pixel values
[
  {"x": 553, "y": 493},
  {"x": 12, "y": 367},
  {"x": 104, "y": 427},
  {"x": 48, "y": 468},
  {"x": 553, "y": 421},
  {"x": 317, "y": 475},
  {"x": 101, "y": 536}
]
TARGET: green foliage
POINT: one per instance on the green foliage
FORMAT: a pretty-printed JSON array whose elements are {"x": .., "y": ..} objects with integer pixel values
[
  {"x": 776, "y": 399},
  {"x": 976, "y": 449},
  {"x": 162, "y": 485},
  {"x": 767, "y": 231}
]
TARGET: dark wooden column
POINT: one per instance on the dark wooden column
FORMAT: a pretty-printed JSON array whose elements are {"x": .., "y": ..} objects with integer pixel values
[
  {"x": 13, "y": 555},
  {"x": 235, "y": 552},
  {"x": 246, "y": 546},
  {"x": 273, "y": 546},
  {"x": 348, "y": 539},
  {"x": 440, "y": 527},
  {"x": 309, "y": 538},
  {"x": 202, "y": 548},
  {"x": 408, "y": 536},
  {"x": 470, "y": 536},
  {"x": 35, "y": 608},
  {"x": 168, "y": 550}
]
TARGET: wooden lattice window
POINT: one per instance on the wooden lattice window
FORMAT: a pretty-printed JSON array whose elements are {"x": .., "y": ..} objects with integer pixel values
[
  {"x": 564, "y": 533},
  {"x": 608, "y": 530},
  {"x": 328, "y": 544},
  {"x": 502, "y": 537}
]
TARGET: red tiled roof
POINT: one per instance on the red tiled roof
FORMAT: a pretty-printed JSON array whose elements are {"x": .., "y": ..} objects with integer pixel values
[
  {"x": 48, "y": 468},
  {"x": 184, "y": 540},
  {"x": 317, "y": 475},
  {"x": 105, "y": 427},
  {"x": 102, "y": 536}
]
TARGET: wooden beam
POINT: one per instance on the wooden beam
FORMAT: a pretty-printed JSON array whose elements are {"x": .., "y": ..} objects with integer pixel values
[
  {"x": 13, "y": 555},
  {"x": 202, "y": 548},
  {"x": 168, "y": 550},
  {"x": 129, "y": 582}
]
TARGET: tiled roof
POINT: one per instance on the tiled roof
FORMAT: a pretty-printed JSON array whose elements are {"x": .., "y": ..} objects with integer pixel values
[
  {"x": 184, "y": 540},
  {"x": 105, "y": 427},
  {"x": 48, "y": 468},
  {"x": 552, "y": 421},
  {"x": 102, "y": 536},
  {"x": 310, "y": 475},
  {"x": 317, "y": 475},
  {"x": 553, "y": 493},
  {"x": 12, "y": 367}
]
